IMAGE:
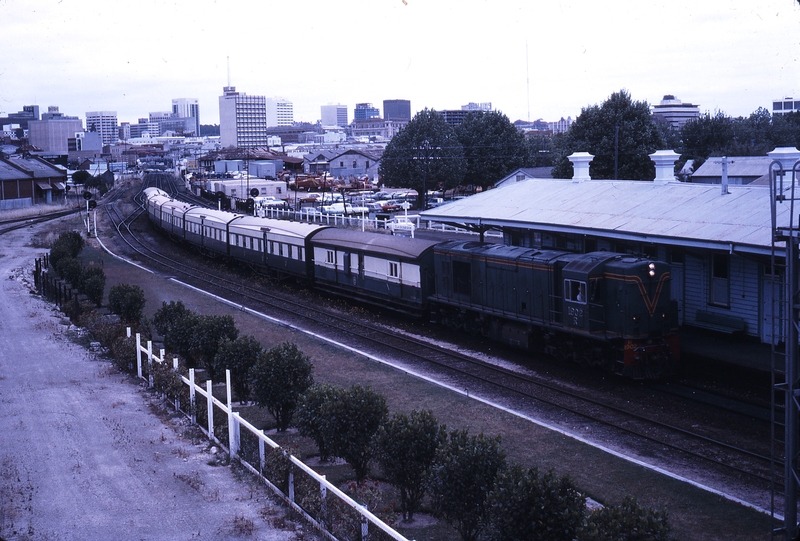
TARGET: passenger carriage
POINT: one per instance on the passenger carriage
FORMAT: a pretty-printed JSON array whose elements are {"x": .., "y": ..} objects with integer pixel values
[
  {"x": 385, "y": 270},
  {"x": 208, "y": 229},
  {"x": 279, "y": 245}
]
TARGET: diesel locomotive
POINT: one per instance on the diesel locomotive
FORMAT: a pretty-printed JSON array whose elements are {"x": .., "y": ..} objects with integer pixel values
[{"x": 601, "y": 308}]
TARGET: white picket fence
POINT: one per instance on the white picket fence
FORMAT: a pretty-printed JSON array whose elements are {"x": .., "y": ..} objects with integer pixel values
[{"x": 371, "y": 528}]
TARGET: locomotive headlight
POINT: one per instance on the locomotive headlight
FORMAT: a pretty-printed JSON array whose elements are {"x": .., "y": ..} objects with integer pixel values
[
  {"x": 652, "y": 267},
  {"x": 635, "y": 319}
]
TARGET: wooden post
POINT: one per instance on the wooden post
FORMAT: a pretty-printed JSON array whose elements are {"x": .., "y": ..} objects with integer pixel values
[
  {"x": 192, "y": 404},
  {"x": 210, "y": 400},
  {"x": 139, "y": 355}
]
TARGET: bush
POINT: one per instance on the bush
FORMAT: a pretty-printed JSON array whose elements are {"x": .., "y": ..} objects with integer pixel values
[
  {"x": 127, "y": 302},
  {"x": 629, "y": 521},
  {"x": 209, "y": 331},
  {"x": 94, "y": 285},
  {"x": 310, "y": 420},
  {"x": 71, "y": 242},
  {"x": 176, "y": 324},
  {"x": 525, "y": 505},
  {"x": 71, "y": 270},
  {"x": 278, "y": 378},
  {"x": 238, "y": 356},
  {"x": 405, "y": 448},
  {"x": 123, "y": 353}
]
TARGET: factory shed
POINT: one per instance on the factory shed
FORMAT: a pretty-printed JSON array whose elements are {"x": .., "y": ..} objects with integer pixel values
[{"x": 717, "y": 238}]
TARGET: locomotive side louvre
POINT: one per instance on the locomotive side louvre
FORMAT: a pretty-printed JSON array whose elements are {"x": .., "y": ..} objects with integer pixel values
[{"x": 385, "y": 270}]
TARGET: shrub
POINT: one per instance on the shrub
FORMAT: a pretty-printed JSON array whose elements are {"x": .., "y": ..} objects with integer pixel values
[
  {"x": 71, "y": 270},
  {"x": 176, "y": 324},
  {"x": 405, "y": 448},
  {"x": 525, "y": 505},
  {"x": 629, "y": 521},
  {"x": 123, "y": 353},
  {"x": 209, "y": 331},
  {"x": 127, "y": 302},
  {"x": 238, "y": 356},
  {"x": 278, "y": 378},
  {"x": 94, "y": 285},
  {"x": 70, "y": 241},
  {"x": 310, "y": 420},
  {"x": 464, "y": 469}
]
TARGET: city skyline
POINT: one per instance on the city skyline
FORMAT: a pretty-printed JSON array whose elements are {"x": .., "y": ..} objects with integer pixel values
[{"x": 530, "y": 61}]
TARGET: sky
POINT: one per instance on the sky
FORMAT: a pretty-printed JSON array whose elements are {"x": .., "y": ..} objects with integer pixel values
[{"x": 529, "y": 59}]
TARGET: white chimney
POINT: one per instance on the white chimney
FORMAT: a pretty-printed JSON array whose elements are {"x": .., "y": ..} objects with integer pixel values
[
  {"x": 665, "y": 165},
  {"x": 580, "y": 165},
  {"x": 787, "y": 156}
]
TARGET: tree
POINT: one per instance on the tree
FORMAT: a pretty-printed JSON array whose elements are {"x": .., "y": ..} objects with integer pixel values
[
  {"x": 209, "y": 331},
  {"x": 424, "y": 155},
  {"x": 176, "y": 324},
  {"x": 238, "y": 356},
  {"x": 493, "y": 147},
  {"x": 127, "y": 301},
  {"x": 93, "y": 284},
  {"x": 405, "y": 448},
  {"x": 629, "y": 521},
  {"x": 279, "y": 377},
  {"x": 310, "y": 420},
  {"x": 463, "y": 472},
  {"x": 620, "y": 134},
  {"x": 80, "y": 177},
  {"x": 525, "y": 505}
]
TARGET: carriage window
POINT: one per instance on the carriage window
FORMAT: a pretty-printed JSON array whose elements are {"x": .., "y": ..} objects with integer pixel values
[
  {"x": 331, "y": 257},
  {"x": 575, "y": 291},
  {"x": 394, "y": 270}
]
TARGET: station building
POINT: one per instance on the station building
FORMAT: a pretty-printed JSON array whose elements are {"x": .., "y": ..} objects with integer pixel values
[{"x": 727, "y": 276}]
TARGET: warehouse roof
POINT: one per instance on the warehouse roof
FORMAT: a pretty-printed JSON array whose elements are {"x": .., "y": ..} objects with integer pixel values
[{"x": 666, "y": 212}]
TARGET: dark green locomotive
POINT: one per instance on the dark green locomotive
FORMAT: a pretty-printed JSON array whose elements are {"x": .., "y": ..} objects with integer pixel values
[{"x": 601, "y": 308}]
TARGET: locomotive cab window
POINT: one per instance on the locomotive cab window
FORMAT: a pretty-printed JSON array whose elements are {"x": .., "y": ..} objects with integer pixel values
[{"x": 575, "y": 291}]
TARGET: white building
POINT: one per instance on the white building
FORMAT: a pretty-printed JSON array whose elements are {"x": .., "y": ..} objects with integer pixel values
[
  {"x": 188, "y": 108},
  {"x": 280, "y": 112},
  {"x": 334, "y": 115},
  {"x": 782, "y": 106},
  {"x": 104, "y": 123},
  {"x": 675, "y": 112},
  {"x": 242, "y": 119}
]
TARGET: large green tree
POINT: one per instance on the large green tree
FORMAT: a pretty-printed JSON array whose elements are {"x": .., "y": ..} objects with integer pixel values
[
  {"x": 425, "y": 155},
  {"x": 462, "y": 474},
  {"x": 209, "y": 332},
  {"x": 493, "y": 147},
  {"x": 620, "y": 134},
  {"x": 405, "y": 448},
  {"x": 279, "y": 377}
]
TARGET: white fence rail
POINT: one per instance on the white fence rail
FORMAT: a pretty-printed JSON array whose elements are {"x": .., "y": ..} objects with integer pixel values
[{"x": 335, "y": 514}]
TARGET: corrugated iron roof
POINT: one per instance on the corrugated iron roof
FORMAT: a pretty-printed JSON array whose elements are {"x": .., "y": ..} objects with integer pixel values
[
  {"x": 739, "y": 166},
  {"x": 674, "y": 212}
]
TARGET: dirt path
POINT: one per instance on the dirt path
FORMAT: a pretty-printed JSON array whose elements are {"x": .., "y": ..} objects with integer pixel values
[{"x": 82, "y": 456}]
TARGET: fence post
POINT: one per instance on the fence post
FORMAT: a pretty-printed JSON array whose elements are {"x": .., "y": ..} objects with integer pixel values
[
  {"x": 210, "y": 400},
  {"x": 364, "y": 528},
  {"x": 262, "y": 458},
  {"x": 234, "y": 433},
  {"x": 323, "y": 503},
  {"x": 178, "y": 397},
  {"x": 192, "y": 410},
  {"x": 139, "y": 355},
  {"x": 291, "y": 480},
  {"x": 150, "y": 363},
  {"x": 232, "y": 442},
  {"x": 128, "y": 331}
]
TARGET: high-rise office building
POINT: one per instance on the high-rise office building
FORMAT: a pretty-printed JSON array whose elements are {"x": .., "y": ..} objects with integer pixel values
[
  {"x": 783, "y": 106},
  {"x": 53, "y": 130},
  {"x": 242, "y": 119},
  {"x": 188, "y": 108},
  {"x": 363, "y": 111},
  {"x": 104, "y": 123},
  {"x": 280, "y": 112},
  {"x": 334, "y": 115},
  {"x": 397, "y": 110},
  {"x": 674, "y": 112}
]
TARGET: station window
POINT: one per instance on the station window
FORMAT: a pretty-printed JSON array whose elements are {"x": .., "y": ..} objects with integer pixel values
[
  {"x": 575, "y": 291},
  {"x": 720, "y": 280}
]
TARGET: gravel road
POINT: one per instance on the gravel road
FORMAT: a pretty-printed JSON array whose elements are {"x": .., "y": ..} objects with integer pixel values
[{"x": 83, "y": 454}]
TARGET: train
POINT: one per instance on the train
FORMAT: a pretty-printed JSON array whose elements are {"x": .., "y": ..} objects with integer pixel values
[{"x": 604, "y": 309}]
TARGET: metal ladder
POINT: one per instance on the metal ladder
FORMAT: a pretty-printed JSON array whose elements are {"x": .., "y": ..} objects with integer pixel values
[{"x": 785, "y": 270}]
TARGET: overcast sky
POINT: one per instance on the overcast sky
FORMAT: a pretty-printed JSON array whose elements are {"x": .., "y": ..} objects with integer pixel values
[{"x": 530, "y": 59}]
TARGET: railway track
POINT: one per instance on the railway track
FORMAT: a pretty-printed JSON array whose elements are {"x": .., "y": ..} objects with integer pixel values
[{"x": 729, "y": 444}]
